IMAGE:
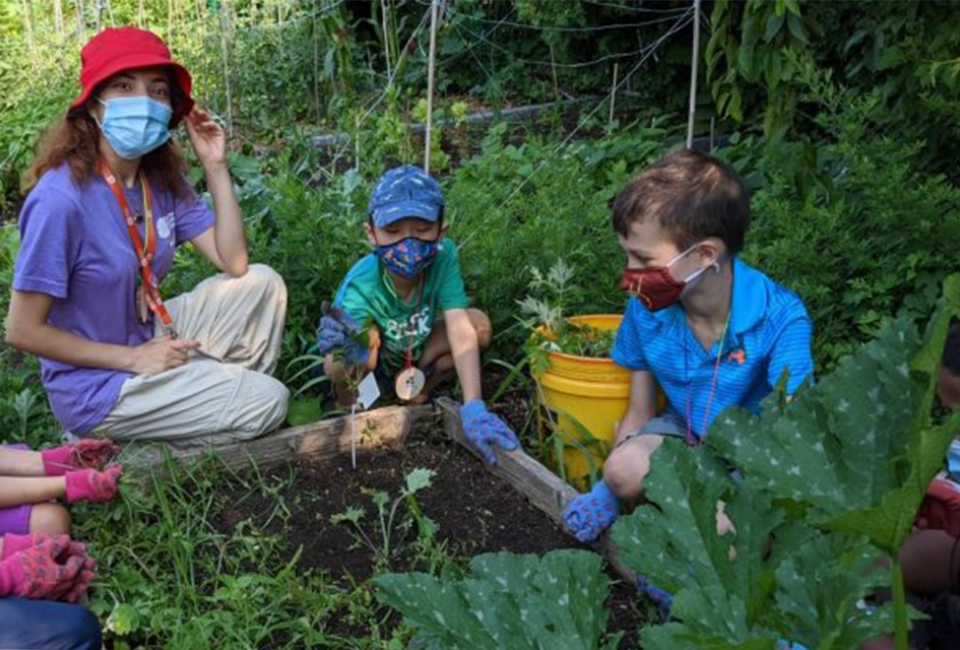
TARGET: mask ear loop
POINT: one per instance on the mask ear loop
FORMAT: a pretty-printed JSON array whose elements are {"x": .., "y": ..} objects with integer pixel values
[
  {"x": 692, "y": 439},
  {"x": 695, "y": 274},
  {"x": 97, "y": 119}
]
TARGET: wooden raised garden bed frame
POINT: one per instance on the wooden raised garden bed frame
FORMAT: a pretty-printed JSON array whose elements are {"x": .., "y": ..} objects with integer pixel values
[{"x": 389, "y": 427}]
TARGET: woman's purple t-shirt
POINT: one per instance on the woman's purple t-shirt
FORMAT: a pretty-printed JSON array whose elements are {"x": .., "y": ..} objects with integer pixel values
[{"x": 74, "y": 246}]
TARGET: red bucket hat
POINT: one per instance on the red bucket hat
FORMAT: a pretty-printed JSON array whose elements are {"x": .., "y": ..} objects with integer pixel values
[{"x": 126, "y": 48}]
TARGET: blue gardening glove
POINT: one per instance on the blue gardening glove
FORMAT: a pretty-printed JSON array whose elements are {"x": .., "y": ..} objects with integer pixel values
[
  {"x": 335, "y": 332},
  {"x": 588, "y": 515},
  {"x": 483, "y": 429},
  {"x": 660, "y": 597}
]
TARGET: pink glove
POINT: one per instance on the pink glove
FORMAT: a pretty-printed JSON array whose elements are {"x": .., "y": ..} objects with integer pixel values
[
  {"x": 940, "y": 509},
  {"x": 14, "y": 544},
  {"x": 86, "y": 454},
  {"x": 36, "y": 573},
  {"x": 91, "y": 485}
]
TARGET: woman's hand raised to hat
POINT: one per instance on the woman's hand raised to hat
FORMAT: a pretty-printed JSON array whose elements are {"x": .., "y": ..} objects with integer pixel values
[{"x": 208, "y": 139}]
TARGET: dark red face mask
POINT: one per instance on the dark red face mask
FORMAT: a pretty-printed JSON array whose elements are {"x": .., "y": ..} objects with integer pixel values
[{"x": 653, "y": 286}]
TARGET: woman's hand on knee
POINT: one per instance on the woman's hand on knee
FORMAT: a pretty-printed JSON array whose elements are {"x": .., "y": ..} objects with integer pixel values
[{"x": 160, "y": 354}]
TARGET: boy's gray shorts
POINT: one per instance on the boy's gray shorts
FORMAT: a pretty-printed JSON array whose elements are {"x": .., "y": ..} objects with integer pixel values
[{"x": 669, "y": 425}]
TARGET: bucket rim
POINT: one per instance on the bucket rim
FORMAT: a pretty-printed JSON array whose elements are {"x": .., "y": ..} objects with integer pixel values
[{"x": 606, "y": 361}]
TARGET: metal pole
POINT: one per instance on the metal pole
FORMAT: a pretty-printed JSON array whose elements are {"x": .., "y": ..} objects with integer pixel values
[
  {"x": 386, "y": 37},
  {"x": 58, "y": 16},
  {"x": 434, "y": 7},
  {"x": 693, "y": 72},
  {"x": 613, "y": 94},
  {"x": 81, "y": 23},
  {"x": 224, "y": 54}
]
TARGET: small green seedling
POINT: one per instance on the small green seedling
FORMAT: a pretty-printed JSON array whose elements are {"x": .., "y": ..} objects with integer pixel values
[{"x": 387, "y": 536}]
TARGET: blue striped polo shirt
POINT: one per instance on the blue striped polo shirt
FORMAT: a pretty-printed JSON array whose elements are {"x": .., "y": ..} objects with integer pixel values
[{"x": 769, "y": 332}]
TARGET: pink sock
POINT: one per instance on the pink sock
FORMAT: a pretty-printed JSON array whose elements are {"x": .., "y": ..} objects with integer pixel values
[{"x": 58, "y": 461}]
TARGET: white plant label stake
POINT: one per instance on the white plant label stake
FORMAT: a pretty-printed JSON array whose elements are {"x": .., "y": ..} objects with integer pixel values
[{"x": 367, "y": 393}]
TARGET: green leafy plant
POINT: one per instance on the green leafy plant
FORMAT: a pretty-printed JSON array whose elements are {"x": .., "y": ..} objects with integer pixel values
[
  {"x": 749, "y": 50},
  {"x": 391, "y": 527},
  {"x": 728, "y": 589},
  {"x": 844, "y": 245},
  {"x": 512, "y": 601},
  {"x": 547, "y": 317}
]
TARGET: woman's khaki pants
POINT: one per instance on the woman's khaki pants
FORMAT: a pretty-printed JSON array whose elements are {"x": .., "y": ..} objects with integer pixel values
[{"x": 224, "y": 393}]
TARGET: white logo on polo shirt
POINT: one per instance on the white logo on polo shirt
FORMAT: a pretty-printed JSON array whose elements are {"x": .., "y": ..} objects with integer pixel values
[{"x": 166, "y": 225}]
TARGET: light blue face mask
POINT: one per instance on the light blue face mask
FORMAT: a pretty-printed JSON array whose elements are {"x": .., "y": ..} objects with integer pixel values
[{"x": 135, "y": 126}]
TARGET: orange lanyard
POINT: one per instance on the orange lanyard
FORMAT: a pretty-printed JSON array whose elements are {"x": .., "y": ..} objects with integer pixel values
[
  {"x": 691, "y": 439},
  {"x": 144, "y": 254}
]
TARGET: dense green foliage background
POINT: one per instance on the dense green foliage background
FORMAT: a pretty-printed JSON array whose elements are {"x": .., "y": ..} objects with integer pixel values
[{"x": 843, "y": 117}]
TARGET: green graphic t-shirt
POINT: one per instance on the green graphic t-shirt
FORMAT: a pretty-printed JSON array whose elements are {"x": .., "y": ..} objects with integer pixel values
[{"x": 368, "y": 295}]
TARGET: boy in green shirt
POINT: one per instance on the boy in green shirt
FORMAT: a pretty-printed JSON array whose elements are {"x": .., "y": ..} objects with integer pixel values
[{"x": 396, "y": 295}]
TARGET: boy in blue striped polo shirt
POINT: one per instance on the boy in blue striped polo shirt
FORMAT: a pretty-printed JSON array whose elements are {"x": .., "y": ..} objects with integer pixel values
[{"x": 705, "y": 327}]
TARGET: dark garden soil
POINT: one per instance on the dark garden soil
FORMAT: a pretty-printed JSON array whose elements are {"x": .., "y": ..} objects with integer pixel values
[
  {"x": 514, "y": 404},
  {"x": 475, "y": 513}
]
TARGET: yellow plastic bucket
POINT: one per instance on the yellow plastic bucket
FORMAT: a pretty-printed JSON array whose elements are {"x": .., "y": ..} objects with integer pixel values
[{"x": 590, "y": 392}]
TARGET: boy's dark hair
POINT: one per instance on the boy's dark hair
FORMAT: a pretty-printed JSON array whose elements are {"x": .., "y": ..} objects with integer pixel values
[
  {"x": 951, "y": 351},
  {"x": 692, "y": 195}
]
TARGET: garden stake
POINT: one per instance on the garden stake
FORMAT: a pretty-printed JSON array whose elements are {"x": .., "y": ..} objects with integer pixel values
[
  {"x": 553, "y": 70},
  {"x": 434, "y": 6},
  {"x": 81, "y": 25},
  {"x": 353, "y": 435},
  {"x": 58, "y": 16},
  {"x": 693, "y": 72},
  {"x": 225, "y": 55},
  {"x": 386, "y": 37},
  {"x": 613, "y": 93}
]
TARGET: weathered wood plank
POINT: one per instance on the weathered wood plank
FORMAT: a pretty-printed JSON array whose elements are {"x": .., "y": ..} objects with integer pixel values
[
  {"x": 545, "y": 490},
  {"x": 320, "y": 441}
]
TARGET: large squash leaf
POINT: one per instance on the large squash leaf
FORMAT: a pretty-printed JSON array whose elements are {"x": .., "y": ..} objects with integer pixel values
[
  {"x": 820, "y": 587},
  {"x": 836, "y": 445},
  {"x": 765, "y": 582},
  {"x": 673, "y": 539},
  {"x": 671, "y": 636},
  {"x": 860, "y": 446},
  {"x": 511, "y": 601}
]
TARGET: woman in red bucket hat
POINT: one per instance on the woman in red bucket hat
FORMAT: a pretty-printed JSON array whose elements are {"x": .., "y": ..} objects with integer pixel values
[{"x": 108, "y": 204}]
